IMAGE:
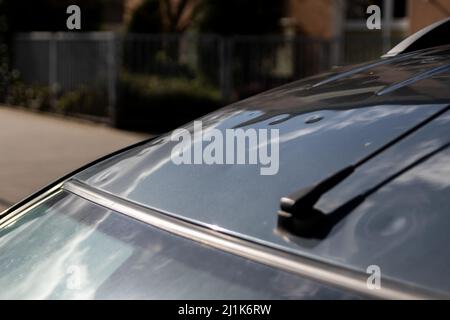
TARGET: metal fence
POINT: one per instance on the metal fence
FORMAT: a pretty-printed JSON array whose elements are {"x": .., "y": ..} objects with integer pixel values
[
  {"x": 236, "y": 66},
  {"x": 357, "y": 47},
  {"x": 65, "y": 62}
]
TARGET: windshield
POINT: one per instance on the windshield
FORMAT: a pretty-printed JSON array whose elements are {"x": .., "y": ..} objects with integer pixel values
[
  {"x": 392, "y": 229},
  {"x": 69, "y": 248}
]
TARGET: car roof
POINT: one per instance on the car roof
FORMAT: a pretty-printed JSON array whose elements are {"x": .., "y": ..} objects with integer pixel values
[{"x": 360, "y": 108}]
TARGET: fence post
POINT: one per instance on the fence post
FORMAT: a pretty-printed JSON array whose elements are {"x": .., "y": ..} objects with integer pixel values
[
  {"x": 387, "y": 24},
  {"x": 226, "y": 73},
  {"x": 52, "y": 66},
  {"x": 222, "y": 72},
  {"x": 111, "y": 57},
  {"x": 336, "y": 46}
]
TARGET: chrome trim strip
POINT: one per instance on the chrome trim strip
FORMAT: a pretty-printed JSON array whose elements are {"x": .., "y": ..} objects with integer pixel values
[
  {"x": 316, "y": 270},
  {"x": 6, "y": 216}
]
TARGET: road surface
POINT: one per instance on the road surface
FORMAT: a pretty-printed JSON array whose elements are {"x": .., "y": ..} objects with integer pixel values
[{"x": 36, "y": 149}]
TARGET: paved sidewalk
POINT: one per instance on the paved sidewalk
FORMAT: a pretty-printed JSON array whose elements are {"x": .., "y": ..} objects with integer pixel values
[{"x": 36, "y": 149}]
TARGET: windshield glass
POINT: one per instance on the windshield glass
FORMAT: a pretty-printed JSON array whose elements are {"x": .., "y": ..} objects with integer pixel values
[
  {"x": 69, "y": 248},
  {"x": 393, "y": 229}
]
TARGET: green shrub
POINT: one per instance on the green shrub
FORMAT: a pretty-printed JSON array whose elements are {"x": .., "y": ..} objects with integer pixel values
[
  {"x": 85, "y": 101},
  {"x": 157, "y": 104},
  {"x": 35, "y": 97}
]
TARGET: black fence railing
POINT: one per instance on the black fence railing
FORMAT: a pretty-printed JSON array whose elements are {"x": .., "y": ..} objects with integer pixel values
[{"x": 102, "y": 74}]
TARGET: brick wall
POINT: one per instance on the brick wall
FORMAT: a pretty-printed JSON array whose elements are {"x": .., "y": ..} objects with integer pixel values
[
  {"x": 424, "y": 12},
  {"x": 312, "y": 17}
]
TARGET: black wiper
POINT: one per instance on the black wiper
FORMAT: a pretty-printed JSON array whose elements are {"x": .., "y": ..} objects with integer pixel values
[
  {"x": 298, "y": 214},
  {"x": 316, "y": 224}
]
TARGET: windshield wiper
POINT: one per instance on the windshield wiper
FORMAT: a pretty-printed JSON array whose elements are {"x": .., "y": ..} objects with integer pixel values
[
  {"x": 316, "y": 224},
  {"x": 298, "y": 215}
]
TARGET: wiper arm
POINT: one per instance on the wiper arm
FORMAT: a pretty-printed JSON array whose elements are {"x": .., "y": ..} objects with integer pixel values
[
  {"x": 300, "y": 205},
  {"x": 316, "y": 224}
]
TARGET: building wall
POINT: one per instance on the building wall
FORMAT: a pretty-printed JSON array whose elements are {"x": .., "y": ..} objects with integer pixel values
[
  {"x": 312, "y": 17},
  {"x": 424, "y": 12}
]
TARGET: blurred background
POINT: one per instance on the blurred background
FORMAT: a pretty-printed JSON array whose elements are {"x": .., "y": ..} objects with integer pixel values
[
  {"x": 151, "y": 65},
  {"x": 155, "y": 64}
]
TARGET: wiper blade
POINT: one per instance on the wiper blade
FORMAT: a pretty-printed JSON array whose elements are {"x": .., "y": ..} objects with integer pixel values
[
  {"x": 301, "y": 203},
  {"x": 316, "y": 224}
]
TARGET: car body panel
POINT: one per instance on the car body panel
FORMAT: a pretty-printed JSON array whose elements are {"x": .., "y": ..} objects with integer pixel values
[{"x": 361, "y": 109}]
